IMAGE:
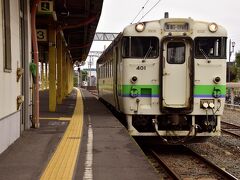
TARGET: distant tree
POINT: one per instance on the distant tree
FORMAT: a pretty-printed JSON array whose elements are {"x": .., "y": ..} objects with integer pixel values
[
  {"x": 84, "y": 75},
  {"x": 75, "y": 81},
  {"x": 237, "y": 60},
  {"x": 236, "y": 68}
]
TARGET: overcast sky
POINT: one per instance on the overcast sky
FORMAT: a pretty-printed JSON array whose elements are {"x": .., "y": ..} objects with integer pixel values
[{"x": 116, "y": 14}]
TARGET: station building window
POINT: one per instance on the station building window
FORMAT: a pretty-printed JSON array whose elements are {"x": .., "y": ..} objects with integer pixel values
[{"x": 6, "y": 36}]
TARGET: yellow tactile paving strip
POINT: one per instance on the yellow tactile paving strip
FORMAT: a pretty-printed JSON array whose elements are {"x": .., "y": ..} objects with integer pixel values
[
  {"x": 56, "y": 119},
  {"x": 62, "y": 163}
]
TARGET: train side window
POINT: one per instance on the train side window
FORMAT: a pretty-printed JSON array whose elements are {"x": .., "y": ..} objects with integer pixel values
[
  {"x": 99, "y": 72},
  {"x": 107, "y": 70},
  {"x": 111, "y": 68},
  {"x": 176, "y": 52},
  {"x": 103, "y": 70}
]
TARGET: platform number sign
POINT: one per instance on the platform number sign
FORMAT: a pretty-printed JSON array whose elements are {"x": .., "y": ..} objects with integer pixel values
[
  {"x": 45, "y": 6},
  {"x": 42, "y": 34}
]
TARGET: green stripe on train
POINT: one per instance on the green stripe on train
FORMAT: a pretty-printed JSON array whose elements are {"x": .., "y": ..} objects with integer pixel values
[
  {"x": 155, "y": 89},
  {"x": 208, "y": 89}
]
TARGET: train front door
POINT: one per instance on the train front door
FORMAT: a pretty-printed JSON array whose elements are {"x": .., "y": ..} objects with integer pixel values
[{"x": 176, "y": 83}]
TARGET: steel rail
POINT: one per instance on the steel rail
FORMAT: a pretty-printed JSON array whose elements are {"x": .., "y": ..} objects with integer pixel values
[
  {"x": 228, "y": 130},
  {"x": 231, "y": 133},
  {"x": 214, "y": 166},
  {"x": 176, "y": 176},
  {"x": 170, "y": 171},
  {"x": 230, "y": 124}
]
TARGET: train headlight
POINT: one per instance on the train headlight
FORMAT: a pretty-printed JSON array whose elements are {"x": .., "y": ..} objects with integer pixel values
[
  {"x": 134, "y": 79},
  {"x": 205, "y": 105},
  {"x": 140, "y": 27},
  {"x": 211, "y": 105},
  {"x": 216, "y": 80},
  {"x": 213, "y": 27}
]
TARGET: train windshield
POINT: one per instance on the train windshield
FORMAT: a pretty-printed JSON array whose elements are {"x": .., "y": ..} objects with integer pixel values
[
  {"x": 210, "y": 47},
  {"x": 140, "y": 47}
]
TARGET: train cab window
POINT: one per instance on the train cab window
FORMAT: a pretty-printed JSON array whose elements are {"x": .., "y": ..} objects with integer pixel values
[
  {"x": 140, "y": 47},
  {"x": 210, "y": 47},
  {"x": 107, "y": 69},
  {"x": 176, "y": 52}
]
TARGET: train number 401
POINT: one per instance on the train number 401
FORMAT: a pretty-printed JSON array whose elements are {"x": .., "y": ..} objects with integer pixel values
[{"x": 141, "y": 68}]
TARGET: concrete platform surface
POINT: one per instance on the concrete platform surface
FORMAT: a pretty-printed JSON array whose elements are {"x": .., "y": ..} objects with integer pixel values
[
  {"x": 115, "y": 154},
  {"x": 106, "y": 150},
  {"x": 28, "y": 156}
]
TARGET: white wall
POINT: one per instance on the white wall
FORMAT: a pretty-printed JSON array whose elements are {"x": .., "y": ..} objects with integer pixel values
[
  {"x": 9, "y": 130},
  {"x": 10, "y": 88}
]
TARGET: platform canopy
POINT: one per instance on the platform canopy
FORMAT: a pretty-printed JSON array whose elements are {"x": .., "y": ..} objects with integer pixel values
[{"x": 76, "y": 20}]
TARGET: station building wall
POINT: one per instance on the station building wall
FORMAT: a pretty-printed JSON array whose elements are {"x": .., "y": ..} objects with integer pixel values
[{"x": 10, "y": 89}]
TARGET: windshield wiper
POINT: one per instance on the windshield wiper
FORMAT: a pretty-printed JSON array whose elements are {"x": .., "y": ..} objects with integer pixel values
[
  {"x": 147, "y": 54},
  {"x": 204, "y": 54}
]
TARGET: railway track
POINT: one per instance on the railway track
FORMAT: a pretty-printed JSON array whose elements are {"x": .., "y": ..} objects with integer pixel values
[
  {"x": 231, "y": 129},
  {"x": 181, "y": 162}
]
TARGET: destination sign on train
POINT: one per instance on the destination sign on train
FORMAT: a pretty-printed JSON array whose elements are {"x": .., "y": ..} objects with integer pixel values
[{"x": 176, "y": 27}]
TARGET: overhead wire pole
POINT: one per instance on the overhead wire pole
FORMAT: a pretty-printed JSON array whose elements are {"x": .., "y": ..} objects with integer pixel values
[
  {"x": 90, "y": 63},
  {"x": 90, "y": 69},
  {"x": 231, "y": 50}
]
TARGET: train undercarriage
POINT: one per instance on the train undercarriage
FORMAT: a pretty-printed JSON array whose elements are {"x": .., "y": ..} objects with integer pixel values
[{"x": 173, "y": 125}]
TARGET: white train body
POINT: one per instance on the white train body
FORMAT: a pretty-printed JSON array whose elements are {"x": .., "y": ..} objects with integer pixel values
[{"x": 167, "y": 76}]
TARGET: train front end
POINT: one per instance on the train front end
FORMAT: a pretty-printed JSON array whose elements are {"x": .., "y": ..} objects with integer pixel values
[{"x": 172, "y": 78}]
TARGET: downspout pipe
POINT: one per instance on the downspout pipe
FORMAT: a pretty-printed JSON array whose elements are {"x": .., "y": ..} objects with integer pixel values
[{"x": 35, "y": 123}]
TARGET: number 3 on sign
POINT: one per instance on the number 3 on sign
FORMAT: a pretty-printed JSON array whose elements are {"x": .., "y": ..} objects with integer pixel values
[
  {"x": 141, "y": 68},
  {"x": 41, "y": 34}
]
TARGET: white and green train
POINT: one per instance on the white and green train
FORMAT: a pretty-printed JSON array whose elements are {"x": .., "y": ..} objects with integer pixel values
[{"x": 168, "y": 77}]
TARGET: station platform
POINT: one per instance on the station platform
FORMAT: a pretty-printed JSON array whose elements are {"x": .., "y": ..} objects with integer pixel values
[{"x": 81, "y": 140}]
